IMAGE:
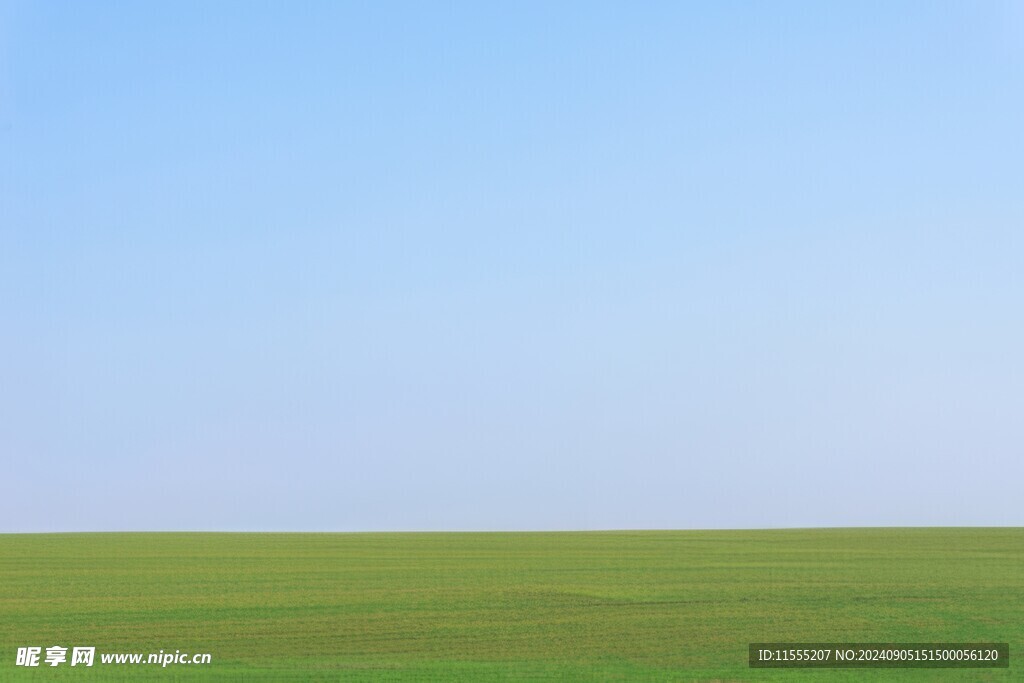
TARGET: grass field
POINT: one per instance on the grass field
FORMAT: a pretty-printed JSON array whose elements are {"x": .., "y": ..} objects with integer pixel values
[{"x": 657, "y": 605}]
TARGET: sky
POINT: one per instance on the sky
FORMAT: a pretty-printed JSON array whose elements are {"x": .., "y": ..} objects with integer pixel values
[{"x": 354, "y": 266}]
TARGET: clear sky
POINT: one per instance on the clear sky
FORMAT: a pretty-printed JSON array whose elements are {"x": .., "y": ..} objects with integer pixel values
[{"x": 489, "y": 265}]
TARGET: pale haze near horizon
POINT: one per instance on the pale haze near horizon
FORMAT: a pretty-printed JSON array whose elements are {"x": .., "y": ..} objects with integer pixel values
[{"x": 451, "y": 266}]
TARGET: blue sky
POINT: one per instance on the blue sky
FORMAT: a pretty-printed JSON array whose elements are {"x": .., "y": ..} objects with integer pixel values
[{"x": 361, "y": 266}]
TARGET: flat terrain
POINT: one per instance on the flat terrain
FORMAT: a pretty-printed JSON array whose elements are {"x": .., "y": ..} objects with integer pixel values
[{"x": 649, "y": 605}]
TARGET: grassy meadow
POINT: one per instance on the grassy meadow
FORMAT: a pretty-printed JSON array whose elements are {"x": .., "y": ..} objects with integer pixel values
[{"x": 645, "y": 605}]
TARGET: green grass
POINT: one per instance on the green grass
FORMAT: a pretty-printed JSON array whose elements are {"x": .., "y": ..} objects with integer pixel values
[{"x": 650, "y": 605}]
